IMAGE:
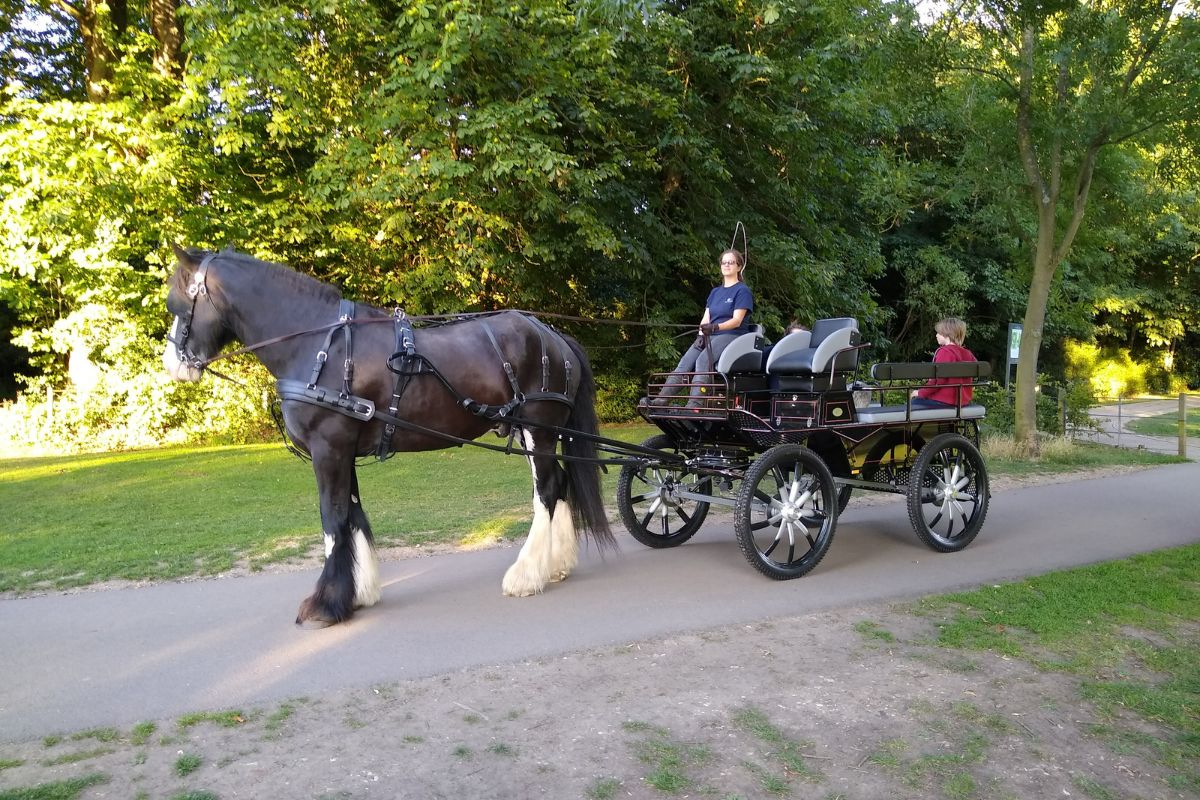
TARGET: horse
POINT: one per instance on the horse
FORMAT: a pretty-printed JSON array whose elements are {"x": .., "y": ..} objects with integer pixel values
[{"x": 506, "y": 372}]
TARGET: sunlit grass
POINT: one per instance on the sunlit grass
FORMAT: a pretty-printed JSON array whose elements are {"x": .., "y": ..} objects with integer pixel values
[
  {"x": 1167, "y": 424},
  {"x": 1060, "y": 454},
  {"x": 160, "y": 514}
]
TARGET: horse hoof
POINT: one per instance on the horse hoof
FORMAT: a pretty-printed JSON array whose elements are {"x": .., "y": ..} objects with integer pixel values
[
  {"x": 519, "y": 583},
  {"x": 311, "y": 616},
  {"x": 560, "y": 576}
]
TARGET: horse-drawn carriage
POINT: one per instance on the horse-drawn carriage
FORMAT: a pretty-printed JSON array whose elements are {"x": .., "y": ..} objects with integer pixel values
[
  {"x": 780, "y": 423},
  {"x": 783, "y": 435}
]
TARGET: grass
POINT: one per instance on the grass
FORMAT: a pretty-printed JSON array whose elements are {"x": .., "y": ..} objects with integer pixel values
[
  {"x": 187, "y": 763},
  {"x": 1126, "y": 629},
  {"x": 1167, "y": 424},
  {"x": 58, "y": 790},
  {"x": 1063, "y": 455},
  {"x": 669, "y": 761},
  {"x": 171, "y": 513},
  {"x": 226, "y": 719}
]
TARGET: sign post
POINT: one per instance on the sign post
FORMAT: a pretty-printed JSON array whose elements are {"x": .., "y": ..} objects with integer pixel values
[{"x": 1014, "y": 350}]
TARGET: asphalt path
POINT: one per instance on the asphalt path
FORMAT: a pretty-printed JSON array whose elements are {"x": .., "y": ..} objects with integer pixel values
[{"x": 114, "y": 658}]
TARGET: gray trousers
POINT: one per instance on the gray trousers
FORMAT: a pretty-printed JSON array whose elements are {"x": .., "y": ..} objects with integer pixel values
[{"x": 697, "y": 359}]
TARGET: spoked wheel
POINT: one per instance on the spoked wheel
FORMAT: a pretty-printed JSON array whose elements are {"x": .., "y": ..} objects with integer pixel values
[
  {"x": 649, "y": 499},
  {"x": 786, "y": 512},
  {"x": 948, "y": 493}
]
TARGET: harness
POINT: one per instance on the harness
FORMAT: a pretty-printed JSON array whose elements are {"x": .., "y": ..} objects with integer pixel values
[
  {"x": 406, "y": 363},
  {"x": 197, "y": 289}
]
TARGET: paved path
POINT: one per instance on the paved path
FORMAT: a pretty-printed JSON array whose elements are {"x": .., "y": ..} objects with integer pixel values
[
  {"x": 1114, "y": 420},
  {"x": 118, "y": 657}
]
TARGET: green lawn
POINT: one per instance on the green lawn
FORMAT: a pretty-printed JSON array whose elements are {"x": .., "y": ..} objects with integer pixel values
[
  {"x": 1126, "y": 629},
  {"x": 157, "y": 514},
  {"x": 1167, "y": 424},
  {"x": 73, "y": 521}
]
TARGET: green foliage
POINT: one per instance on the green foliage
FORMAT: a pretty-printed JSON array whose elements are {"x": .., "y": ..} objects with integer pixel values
[
  {"x": 1056, "y": 402},
  {"x": 588, "y": 158}
]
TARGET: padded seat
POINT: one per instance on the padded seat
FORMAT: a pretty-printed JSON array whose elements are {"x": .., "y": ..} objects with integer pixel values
[
  {"x": 816, "y": 360},
  {"x": 744, "y": 354},
  {"x": 882, "y": 414}
]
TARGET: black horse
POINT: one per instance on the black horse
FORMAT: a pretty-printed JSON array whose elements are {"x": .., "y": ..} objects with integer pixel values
[{"x": 508, "y": 360}]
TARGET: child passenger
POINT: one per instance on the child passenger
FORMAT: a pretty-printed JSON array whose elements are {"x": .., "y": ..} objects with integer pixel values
[{"x": 947, "y": 392}]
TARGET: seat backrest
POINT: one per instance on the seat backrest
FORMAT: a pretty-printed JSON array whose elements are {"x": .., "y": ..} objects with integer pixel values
[
  {"x": 826, "y": 340},
  {"x": 792, "y": 343},
  {"x": 743, "y": 354},
  {"x": 831, "y": 336}
]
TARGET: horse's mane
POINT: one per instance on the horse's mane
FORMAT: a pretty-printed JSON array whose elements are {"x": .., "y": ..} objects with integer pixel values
[{"x": 278, "y": 273}]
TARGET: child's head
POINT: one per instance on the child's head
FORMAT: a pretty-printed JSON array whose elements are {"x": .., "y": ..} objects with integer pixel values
[
  {"x": 952, "y": 328},
  {"x": 795, "y": 326}
]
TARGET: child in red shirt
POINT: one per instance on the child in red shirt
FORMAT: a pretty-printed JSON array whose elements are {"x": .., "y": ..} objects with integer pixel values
[{"x": 944, "y": 392}]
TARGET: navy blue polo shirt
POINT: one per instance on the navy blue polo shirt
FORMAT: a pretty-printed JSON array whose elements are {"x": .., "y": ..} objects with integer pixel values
[{"x": 724, "y": 300}]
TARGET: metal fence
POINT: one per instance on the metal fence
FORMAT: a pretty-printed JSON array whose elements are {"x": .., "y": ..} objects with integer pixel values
[{"x": 1114, "y": 422}]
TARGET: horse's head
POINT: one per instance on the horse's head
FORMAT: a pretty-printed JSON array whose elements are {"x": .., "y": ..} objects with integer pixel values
[{"x": 198, "y": 331}]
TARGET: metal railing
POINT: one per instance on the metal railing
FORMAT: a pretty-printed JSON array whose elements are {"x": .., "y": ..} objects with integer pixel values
[{"x": 1111, "y": 419}]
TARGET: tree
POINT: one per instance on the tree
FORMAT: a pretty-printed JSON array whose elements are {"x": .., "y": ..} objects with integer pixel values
[{"x": 1056, "y": 85}]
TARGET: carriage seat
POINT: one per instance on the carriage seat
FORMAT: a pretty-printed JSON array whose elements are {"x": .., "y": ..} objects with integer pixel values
[
  {"x": 816, "y": 360},
  {"x": 745, "y": 353},
  {"x": 908, "y": 375},
  {"x": 882, "y": 414}
]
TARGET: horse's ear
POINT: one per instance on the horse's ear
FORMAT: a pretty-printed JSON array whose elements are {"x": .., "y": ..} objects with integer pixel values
[{"x": 181, "y": 255}]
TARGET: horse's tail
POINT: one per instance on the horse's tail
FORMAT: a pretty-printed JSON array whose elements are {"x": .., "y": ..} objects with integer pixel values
[{"x": 583, "y": 477}]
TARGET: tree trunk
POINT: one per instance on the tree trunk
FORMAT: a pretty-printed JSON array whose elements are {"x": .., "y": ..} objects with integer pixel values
[
  {"x": 95, "y": 27},
  {"x": 1044, "y": 267},
  {"x": 164, "y": 25}
]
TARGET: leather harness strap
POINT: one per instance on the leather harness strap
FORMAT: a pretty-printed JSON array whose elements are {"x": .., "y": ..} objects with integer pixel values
[
  {"x": 407, "y": 362},
  {"x": 409, "y": 365}
]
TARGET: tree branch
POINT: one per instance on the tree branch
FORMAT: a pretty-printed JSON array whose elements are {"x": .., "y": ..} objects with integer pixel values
[
  {"x": 1024, "y": 136},
  {"x": 1083, "y": 184},
  {"x": 71, "y": 10}
]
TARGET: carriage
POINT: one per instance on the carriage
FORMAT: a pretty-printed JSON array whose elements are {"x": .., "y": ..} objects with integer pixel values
[
  {"x": 784, "y": 434},
  {"x": 781, "y": 423}
]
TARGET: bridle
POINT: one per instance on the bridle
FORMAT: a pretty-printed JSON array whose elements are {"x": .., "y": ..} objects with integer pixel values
[
  {"x": 198, "y": 288},
  {"x": 195, "y": 291}
]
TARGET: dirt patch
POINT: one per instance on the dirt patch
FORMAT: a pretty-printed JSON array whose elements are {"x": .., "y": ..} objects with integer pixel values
[{"x": 853, "y": 704}]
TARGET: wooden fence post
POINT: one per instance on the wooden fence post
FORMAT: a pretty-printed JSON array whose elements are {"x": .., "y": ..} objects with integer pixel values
[{"x": 1182, "y": 424}]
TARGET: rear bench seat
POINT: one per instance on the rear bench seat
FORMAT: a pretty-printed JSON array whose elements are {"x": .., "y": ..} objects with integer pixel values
[{"x": 923, "y": 371}]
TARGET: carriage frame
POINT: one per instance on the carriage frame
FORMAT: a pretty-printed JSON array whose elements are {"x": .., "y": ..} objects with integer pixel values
[{"x": 784, "y": 434}]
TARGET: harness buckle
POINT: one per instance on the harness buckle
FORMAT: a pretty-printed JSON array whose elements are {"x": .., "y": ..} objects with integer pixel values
[{"x": 197, "y": 287}]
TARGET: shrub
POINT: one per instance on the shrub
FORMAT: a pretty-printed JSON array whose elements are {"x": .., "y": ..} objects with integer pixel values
[{"x": 1054, "y": 402}]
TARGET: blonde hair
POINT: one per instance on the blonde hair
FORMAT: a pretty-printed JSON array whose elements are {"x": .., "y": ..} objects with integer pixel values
[{"x": 952, "y": 328}]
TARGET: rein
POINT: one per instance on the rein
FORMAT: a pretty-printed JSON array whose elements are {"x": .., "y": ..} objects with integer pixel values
[{"x": 202, "y": 363}]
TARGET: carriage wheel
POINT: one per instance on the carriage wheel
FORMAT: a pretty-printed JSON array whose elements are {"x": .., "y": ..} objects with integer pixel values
[
  {"x": 649, "y": 502},
  {"x": 786, "y": 512},
  {"x": 889, "y": 461},
  {"x": 948, "y": 493}
]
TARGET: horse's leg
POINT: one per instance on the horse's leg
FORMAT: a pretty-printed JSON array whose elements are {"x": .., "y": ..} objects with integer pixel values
[
  {"x": 547, "y": 554},
  {"x": 366, "y": 567},
  {"x": 350, "y": 577}
]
